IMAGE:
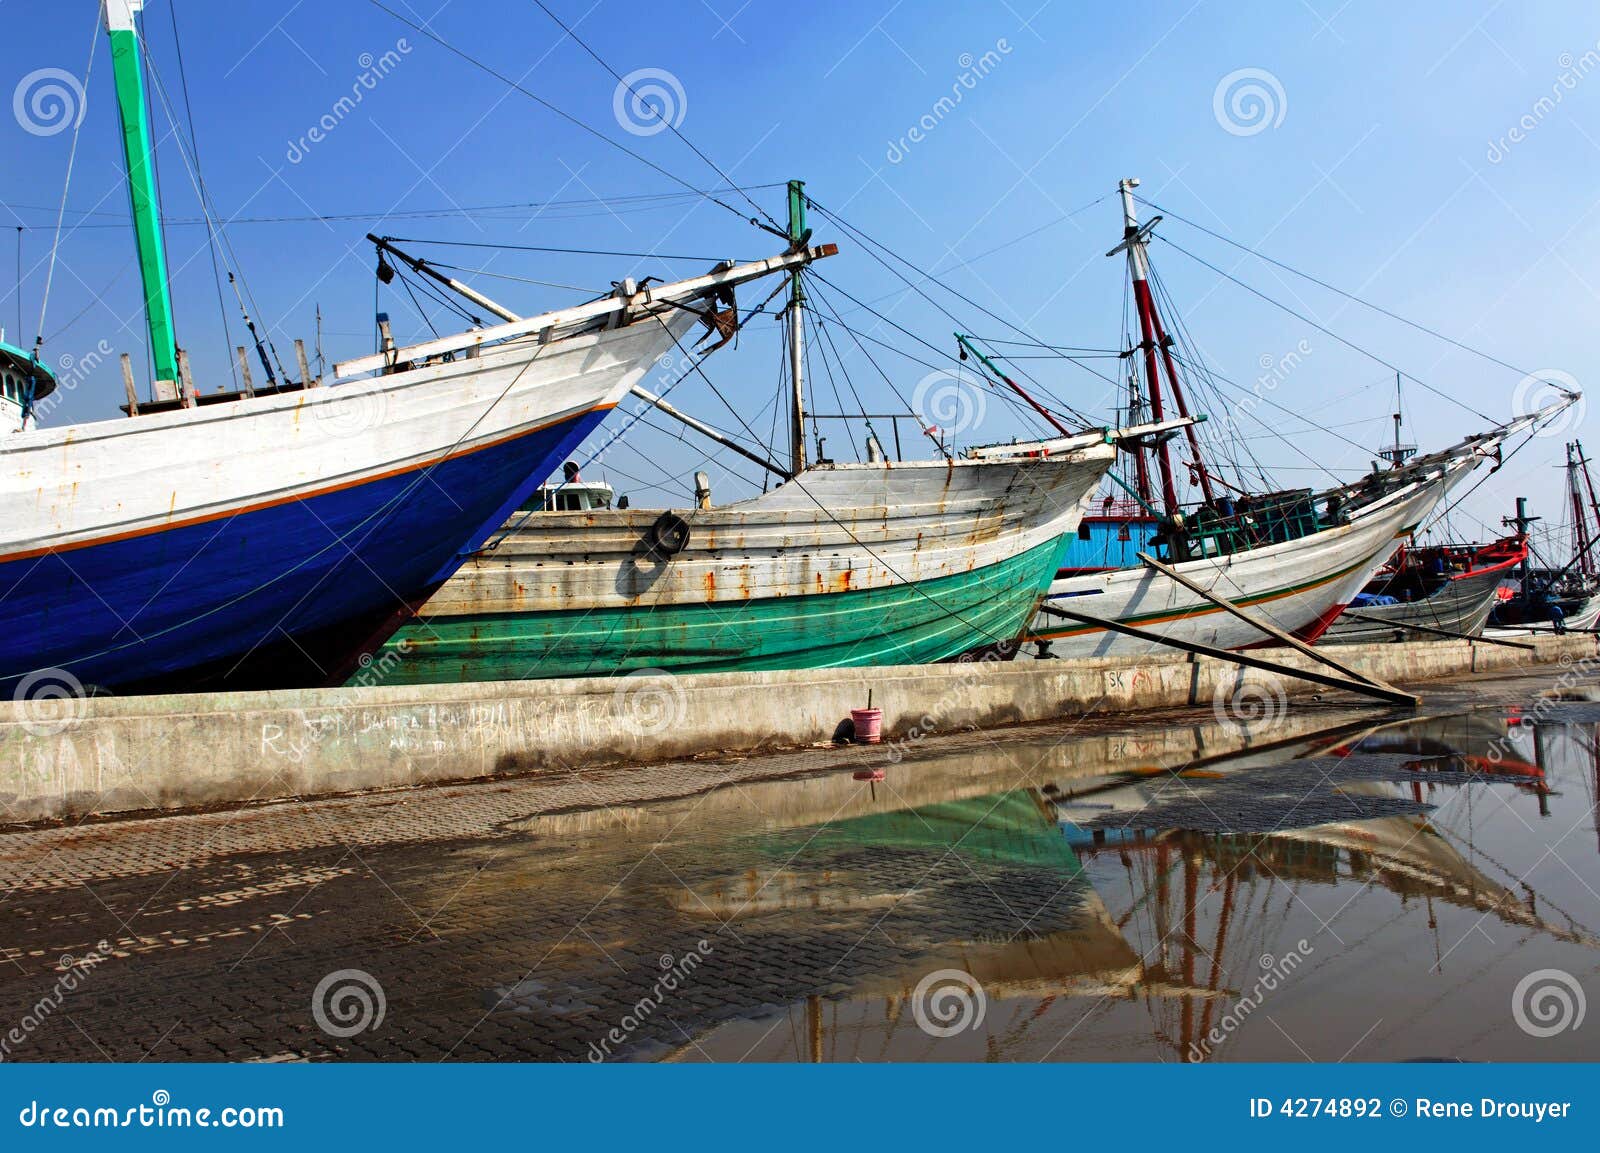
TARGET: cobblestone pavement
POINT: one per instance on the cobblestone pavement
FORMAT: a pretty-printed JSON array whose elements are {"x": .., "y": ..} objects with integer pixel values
[{"x": 767, "y": 907}]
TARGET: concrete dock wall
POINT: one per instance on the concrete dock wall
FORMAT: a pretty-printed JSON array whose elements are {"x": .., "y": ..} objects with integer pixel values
[{"x": 107, "y": 754}]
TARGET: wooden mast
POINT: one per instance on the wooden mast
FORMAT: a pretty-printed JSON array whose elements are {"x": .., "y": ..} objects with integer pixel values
[
  {"x": 797, "y": 296},
  {"x": 1154, "y": 339}
]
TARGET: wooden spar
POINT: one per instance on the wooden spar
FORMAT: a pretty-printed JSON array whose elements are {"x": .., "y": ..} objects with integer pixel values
[
  {"x": 1353, "y": 614},
  {"x": 798, "y": 235},
  {"x": 966, "y": 344},
  {"x": 695, "y": 286},
  {"x": 656, "y": 402},
  {"x": 643, "y": 394},
  {"x": 1271, "y": 630},
  {"x": 1385, "y": 693},
  {"x": 451, "y": 283}
]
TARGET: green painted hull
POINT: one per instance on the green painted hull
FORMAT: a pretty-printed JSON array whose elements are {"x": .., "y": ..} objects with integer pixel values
[{"x": 907, "y": 624}]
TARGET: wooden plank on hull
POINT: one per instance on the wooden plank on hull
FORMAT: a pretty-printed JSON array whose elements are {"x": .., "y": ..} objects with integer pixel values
[
  {"x": 1412, "y": 626},
  {"x": 1267, "y": 627},
  {"x": 1383, "y": 692}
]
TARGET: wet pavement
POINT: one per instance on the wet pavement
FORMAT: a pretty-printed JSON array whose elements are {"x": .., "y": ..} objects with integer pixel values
[{"x": 1323, "y": 883}]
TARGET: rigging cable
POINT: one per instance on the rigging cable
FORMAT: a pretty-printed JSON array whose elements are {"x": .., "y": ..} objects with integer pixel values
[
  {"x": 665, "y": 120},
  {"x": 72, "y": 155},
  {"x": 194, "y": 143},
  {"x": 1321, "y": 328},
  {"x": 1338, "y": 291},
  {"x": 561, "y": 112}
]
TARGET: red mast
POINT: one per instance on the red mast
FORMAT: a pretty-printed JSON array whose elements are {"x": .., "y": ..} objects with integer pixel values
[
  {"x": 1577, "y": 462},
  {"x": 1155, "y": 337}
]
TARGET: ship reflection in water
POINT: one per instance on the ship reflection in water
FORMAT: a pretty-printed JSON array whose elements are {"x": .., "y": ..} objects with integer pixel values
[
  {"x": 1155, "y": 890},
  {"x": 1365, "y": 894}
]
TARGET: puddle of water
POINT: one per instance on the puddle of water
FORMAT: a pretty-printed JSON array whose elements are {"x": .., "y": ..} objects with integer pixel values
[
  {"x": 1375, "y": 895},
  {"x": 1184, "y": 891}
]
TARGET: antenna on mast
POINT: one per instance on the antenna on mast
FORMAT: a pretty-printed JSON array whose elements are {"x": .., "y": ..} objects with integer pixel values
[{"x": 1397, "y": 453}]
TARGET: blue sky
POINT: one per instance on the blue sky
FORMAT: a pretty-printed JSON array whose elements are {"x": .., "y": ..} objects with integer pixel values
[{"x": 1379, "y": 157}]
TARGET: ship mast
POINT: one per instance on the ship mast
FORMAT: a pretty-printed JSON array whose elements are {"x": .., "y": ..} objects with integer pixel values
[
  {"x": 1580, "y": 518},
  {"x": 128, "y": 70},
  {"x": 797, "y": 296},
  {"x": 1154, "y": 340}
]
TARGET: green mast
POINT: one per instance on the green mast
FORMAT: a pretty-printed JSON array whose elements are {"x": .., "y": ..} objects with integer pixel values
[{"x": 128, "y": 69}]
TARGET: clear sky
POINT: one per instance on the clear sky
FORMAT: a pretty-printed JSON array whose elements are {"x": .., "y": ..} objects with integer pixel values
[{"x": 1438, "y": 159}]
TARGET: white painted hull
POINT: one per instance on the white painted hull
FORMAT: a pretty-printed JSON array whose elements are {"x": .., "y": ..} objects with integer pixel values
[
  {"x": 287, "y": 532},
  {"x": 1295, "y": 585}
]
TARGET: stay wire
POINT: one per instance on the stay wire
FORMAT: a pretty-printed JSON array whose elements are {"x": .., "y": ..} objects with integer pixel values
[
  {"x": 1322, "y": 328},
  {"x": 194, "y": 144},
  {"x": 666, "y": 120},
  {"x": 66, "y": 186},
  {"x": 1337, "y": 291},
  {"x": 557, "y": 110}
]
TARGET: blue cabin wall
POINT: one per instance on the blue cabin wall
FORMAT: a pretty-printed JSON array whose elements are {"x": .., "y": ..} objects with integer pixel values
[{"x": 1103, "y": 549}]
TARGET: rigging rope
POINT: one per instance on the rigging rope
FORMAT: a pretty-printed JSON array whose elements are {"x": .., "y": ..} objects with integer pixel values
[
  {"x": 72, "y": 155},
  {"x": 1322, "y": 328},
  {"x": 561, "y": 112},
  {"x": 1336, "y": 290}
]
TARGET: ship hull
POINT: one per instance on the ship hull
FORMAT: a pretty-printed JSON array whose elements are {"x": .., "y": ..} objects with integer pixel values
[
  {"x": 1299, "y": 586},
  {"x": 254, "y": 542},
  {"x": 1458, "y": 606},
  {"x": 851, "y": 565}
]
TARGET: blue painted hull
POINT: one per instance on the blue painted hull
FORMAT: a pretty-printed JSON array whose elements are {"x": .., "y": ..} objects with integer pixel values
[{"x": 277, "y": 596}]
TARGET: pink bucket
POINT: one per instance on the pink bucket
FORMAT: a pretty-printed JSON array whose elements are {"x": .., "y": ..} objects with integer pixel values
[{"x": 869, "y": 725}]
